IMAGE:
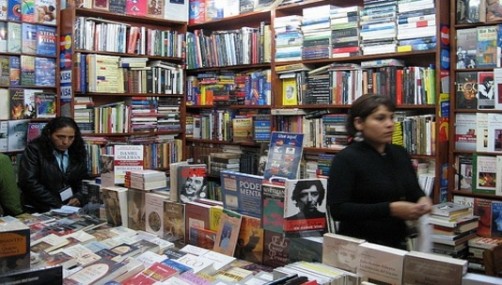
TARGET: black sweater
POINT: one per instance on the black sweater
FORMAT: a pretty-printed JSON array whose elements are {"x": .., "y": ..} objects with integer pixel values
[{"x": 361, "y": 185}]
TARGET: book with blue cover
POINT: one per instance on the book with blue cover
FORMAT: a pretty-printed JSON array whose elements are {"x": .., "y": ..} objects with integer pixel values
[
  {"x": 45, "y": 71},
  {"x": 46, "y": 40},
  {"x": 242, "y": 192},
  {"x": 284, "y": 155}
]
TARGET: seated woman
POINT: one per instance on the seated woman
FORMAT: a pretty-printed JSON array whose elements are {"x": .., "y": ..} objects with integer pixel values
[
  {"x": 53, "y": 166},
  {"x": 10, "y": 197}
]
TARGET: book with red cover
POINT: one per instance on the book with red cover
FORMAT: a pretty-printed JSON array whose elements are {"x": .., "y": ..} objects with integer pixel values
[
  {"x": 196, "y": 215},
  {"x": 157, "y": 272}
]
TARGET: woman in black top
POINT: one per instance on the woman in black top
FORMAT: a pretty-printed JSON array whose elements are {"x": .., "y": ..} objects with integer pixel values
[
  {"x": 53, "y": 166},
  {"x": 372, "y": 187}
]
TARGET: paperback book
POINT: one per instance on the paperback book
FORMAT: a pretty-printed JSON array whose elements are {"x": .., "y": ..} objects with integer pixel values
[{"x": 284, "y": 155}]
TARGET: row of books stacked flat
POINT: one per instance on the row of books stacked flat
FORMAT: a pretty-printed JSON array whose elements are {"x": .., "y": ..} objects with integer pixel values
[
  {"x": 316, "y": 32},
  {"x": 477, "y": 47},
  {"x": 28, "y": 38},
  {"x": 231, "y": 47},
  {"x": 28, "y": 70},
  {"x": 365, "y": 261},
  {"x": 453, "y": 226},
  {"x": 378, "y": 27},
  {"x": 288, "y": 38},
  {"x": 219, "y": 161},
  {"x": 345, "y": 38},
  {"x": 102, "y": 35},
  {"x": 416, "y": 25},
  {"x": 170, "y": 11},
  {"x": 477, "y": 247}
]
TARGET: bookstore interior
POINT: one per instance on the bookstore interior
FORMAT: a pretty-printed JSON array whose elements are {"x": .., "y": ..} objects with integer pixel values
[{"x": 207, "y": 129}]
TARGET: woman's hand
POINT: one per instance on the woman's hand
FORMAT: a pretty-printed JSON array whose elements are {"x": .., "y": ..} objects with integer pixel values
[
  {"x": 74, "y": 202},
  {"x": 410, "y": 211}
]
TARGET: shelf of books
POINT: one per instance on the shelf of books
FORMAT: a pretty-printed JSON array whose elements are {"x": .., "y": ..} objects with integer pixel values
[
  {"x": 228, "y": 97},
  {"x": 475, "y": 147},
  {"x": 29, "y": 59},
  {"x": 122, "y": 77},
  {"x": 328, "y": 54}
]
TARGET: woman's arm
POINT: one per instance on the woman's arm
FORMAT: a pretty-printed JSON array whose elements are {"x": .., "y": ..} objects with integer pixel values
[{"x": 30, "y": 173}]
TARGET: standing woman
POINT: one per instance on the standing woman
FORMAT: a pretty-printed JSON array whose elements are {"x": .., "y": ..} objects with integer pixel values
[
  {"x": 372, "y": 187},
  {"x": 53, "y": 166}
]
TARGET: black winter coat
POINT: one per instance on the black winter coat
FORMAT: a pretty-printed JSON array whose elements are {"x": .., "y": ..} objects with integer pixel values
[{"x": 40, "y": 179}]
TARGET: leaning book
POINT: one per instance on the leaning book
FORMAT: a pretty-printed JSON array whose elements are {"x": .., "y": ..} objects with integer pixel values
[{"x": 284, "y": 155}]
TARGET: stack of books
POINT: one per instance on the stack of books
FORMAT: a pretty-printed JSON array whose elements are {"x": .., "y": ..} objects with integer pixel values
[
  {"x": 219, "y": 161},
  {"x": 147, "y": 179},
  {"x": 476, "y": 247},
  {"x": 453, "y": 226}
]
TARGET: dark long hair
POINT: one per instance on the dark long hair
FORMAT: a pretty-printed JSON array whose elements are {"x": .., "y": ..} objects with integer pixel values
[
  {"x": 365, "y": 106},
  {"x": 77, "y": 148}
]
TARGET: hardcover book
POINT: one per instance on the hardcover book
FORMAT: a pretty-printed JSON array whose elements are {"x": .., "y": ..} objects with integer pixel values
[
  {"x": 467, "y": 90},
  {"x": 228, "y": 233},
  {"x": 242, "y": 192},
  {"x": 46, "y": 40},
  {"x": 196, "y": 215},
  {"x": 305, "y": 207}
]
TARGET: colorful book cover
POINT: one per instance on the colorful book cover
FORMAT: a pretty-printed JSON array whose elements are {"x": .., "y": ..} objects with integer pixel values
[
  {"x": 242, "y": 192},
  {"x": 251, "y": 240},
  {"x": 16, "y": 103},
  {"x": 117, "y": 6},
  {"x": 273, "y": 207},
  {"x": 14, "y": 37},
  {"x": 34, "y": 130},
  {"x": 30, "y": 103},
  {"x": 487, "y": 52},
  {"x": 485, "y": 172},
  {"x": 196, "y": 11},
  {"x": 466, "y": 90},
  {"x": 45, "y": 71},
  {"x": 228, "y": 233},
  {"x": 289, "y": 91},
  {"x": 29, "y": 38},
  {"x": 127, "y": 158},
  {"x": 305, "y": 207},
  {"x": 15, "y": 70},
  {"x": 14, "y": 11},
  {"x": 45, "y": 105},
  {"x": 284, "y": 155},
  {"x": 28, "y": 70},
  {"x": 46, "y": 40},
  {"x": 483, "y": 209},
  {"x": 28, "y": 11},
  {"x": 496, "y": 218},
  {"x": 192, "y": 182},
  {"x": 136, "y": 8},
  {"x": 201, "y": 237},
  {"x": 174, "y": 221},
  {"x": 4, "y": 70},
  {"x": 46, "y": 12}
]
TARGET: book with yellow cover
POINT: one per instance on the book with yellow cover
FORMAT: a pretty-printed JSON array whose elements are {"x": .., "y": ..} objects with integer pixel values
[{"x": 289, "y": 91}]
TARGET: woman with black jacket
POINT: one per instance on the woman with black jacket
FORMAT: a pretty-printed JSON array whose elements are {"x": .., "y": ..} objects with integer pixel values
[{"x": 53, "y": 166}]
